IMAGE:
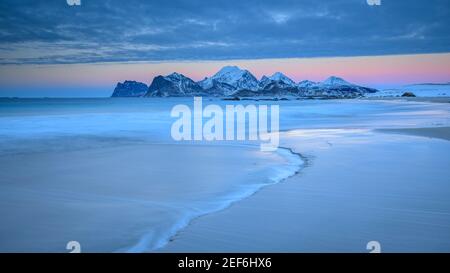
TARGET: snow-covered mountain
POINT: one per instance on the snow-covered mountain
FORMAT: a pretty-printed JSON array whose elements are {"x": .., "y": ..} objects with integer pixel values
[
  {"x": 229, "y": 80},
  {"x": 336, "y": 81},
  {"x": 130, "y": 89},
  {"x": 278, "y": 80},
  {"x": 277, "y": 85},
  {"x": 233, "y": 81},
  {"x": 332, "y": 87},
  {"x": 173, "y": 85},
  {"x": 306, "y": 84}
]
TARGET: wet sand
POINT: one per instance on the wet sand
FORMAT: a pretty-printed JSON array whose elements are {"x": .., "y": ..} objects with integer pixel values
[
  {"x": 125, "y": 198},
  {"x": 415, "y": 99},
  {"x": 359, "y": 186},
  {"x": 432, "y": 132}
]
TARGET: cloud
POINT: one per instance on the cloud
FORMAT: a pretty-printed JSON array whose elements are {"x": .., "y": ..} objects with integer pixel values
[{"x": 50, "y": 31}]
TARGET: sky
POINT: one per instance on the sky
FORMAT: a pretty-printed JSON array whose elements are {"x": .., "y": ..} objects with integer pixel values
[{"x": 51, "y": 45}]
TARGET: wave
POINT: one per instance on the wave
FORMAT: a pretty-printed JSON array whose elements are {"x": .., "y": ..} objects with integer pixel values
[{"x": 154, "y": 240}]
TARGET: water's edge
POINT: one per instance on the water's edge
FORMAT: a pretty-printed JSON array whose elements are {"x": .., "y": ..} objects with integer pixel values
[{"x": 297, "y": 163}]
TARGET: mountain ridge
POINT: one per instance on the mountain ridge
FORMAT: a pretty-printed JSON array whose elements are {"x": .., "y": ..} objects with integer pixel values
[{"x": 232, "y": 81}]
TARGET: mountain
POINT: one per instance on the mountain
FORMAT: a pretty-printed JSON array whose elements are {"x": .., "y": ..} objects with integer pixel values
[
  {"x": 229, "y": 80},
  {"x": 306, "y": 84},
  {"x": 130, "y": 89},
  {"x": 236, "y": 82},
  {"x": 333, "y": 87},
  {"x": 276, "y": 85},
  {"x": 278, "y": 79},
  {"x": 174, "y": 85},
  {"x": 336, "y": 81}
]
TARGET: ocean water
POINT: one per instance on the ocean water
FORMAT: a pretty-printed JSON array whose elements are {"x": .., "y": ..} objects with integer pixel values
[
  {"x": 150, "y": 118},
  {"x": 106, "y": 173}
]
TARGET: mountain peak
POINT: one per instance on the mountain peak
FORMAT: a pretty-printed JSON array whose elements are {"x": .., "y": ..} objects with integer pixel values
[
  {"x": 230, "y": 72},
  {"x": 175, "y": 75},
  {"x": 333, "y": 80},
  {"x": 229, "y": 69},
  {"x": 231, "y": 79},
  {"x": 277, "y": 79},
  {"x": 264, "y": 78},
  {"x": 306, "y": 83},
  {"x": 173, "y": 85},
  {"x": 130, "y": 89},
  {"x": 278, "y": 76}
]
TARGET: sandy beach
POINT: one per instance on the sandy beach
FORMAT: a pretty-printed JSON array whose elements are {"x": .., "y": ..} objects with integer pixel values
[
  {"x": 360, "y": 185},
  {"x": 341, "y": 201}
]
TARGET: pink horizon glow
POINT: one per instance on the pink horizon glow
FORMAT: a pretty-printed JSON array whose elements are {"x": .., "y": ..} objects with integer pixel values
[{"x": 373, "y": 71}]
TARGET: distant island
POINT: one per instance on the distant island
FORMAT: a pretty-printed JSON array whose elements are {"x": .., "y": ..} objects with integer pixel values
[{"x": 233, "y": 82}]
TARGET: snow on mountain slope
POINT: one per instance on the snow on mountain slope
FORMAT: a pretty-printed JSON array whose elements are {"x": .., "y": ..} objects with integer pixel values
[
  {"x": 278, "y": 79},
  {"x": 233, "y": 81},
  {"x": 333, "y": 87},
  {"x": 335, "y": 81},
  {"x": 173, "y": 85},
  {"x": 306, "y": 84},
  {"x": 230, "y": 79}
]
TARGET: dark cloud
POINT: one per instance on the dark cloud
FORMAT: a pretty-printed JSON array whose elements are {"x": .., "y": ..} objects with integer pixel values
[{"x": 50, "y": 31}]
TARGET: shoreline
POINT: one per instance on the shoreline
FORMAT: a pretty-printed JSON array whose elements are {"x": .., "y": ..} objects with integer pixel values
[
  {"x": 141, "y": 247},
  {"x": 411, "y": 99},
  {"x": 145, "y": 216}
]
